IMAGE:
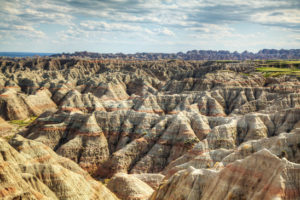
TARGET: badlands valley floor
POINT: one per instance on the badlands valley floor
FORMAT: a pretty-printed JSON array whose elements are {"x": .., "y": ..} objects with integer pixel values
[{"x": 159, "y": 130}]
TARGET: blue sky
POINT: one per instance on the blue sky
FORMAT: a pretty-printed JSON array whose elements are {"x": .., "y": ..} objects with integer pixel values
[{"x": 131, "y": 26}]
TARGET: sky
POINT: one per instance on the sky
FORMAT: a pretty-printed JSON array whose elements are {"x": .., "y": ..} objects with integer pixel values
[{"x": 130, "y": 26}]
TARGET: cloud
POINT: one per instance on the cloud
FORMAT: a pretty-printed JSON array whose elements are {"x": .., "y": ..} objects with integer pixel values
[
  {"x": 20, "y": 30},
  {"x": 99, "y": 29},
  {"x": 165, "y": 31},
  {"x": 181, "y": 13},
  {"x": 102, "y": 26},
  {"x": 23, "y": 18},
  {"x": 281, "y": 17},
  {"x": 151, "y": 20},
  {"x": 105, "y": 27}
]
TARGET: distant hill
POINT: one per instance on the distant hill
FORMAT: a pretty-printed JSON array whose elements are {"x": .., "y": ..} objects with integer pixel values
[
  {"x": 24, "y": 54},
  {"x": 265, "y": 54}
]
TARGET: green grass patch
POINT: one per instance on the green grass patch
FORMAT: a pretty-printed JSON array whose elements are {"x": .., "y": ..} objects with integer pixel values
[
  {"x": 290, "y": 62},
  {"x": 191, "y": 142},
  {"x": 23, "y": 123},
  {"x": 280, "y": 63},
  {"x": 245, "y": 74},
  {"x": 275, "y": 71},
  {"x": 8, "y": 137},
  {"x": 104, "y": 181}
]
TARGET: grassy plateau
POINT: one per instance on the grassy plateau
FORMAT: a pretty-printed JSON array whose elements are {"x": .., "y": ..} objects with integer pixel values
[{"x": 272, "y": 68}]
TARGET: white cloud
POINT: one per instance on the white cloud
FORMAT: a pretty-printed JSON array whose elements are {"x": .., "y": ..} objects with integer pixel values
[
  {"x": 97, "y": 29},
  {"x": 105, "y": 26},
  {"x": 165, "y": 31},
  {"x": 280, "y": 16},
  {"x": 143, "y": 19}
]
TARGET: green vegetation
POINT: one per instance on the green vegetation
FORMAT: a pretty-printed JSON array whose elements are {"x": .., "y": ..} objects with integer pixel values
[
  {"x": 23, "y": 123},
  {"x": 283, "y": 63},
  {"x": 8, "y": 137},
  {"x": 171, "y": 60},
  {"x": 191, "y": 141},
  {"x": 272, "y": 68},
  {"x": 104, "y": 181},
  {"x": 274, "y": 71},
  {"x": 280, "y": 63},
  {"x": 245, "y": 74}
]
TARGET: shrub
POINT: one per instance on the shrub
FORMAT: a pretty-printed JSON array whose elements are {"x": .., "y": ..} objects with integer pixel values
[
  {"x": 23, "y": 123},
  {"x": 191, "y": 141}
]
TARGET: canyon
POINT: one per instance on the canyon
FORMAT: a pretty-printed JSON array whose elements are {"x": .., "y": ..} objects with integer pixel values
[{"x": 157, "y": 129}]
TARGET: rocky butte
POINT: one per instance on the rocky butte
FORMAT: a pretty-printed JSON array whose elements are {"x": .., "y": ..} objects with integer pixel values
[{"x": 160, "y": 129}]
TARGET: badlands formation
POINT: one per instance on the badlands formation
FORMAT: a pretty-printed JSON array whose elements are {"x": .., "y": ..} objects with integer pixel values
[{"x": 166, "y": 129}]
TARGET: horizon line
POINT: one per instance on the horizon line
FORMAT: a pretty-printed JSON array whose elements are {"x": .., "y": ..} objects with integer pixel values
[{"x": 144, "y": 52}]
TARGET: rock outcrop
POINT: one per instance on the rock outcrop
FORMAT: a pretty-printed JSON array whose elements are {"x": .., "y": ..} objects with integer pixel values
[
  {"x": 169, "y": 123},
  {"x": 267, "y": 54},
  {"x": 261, "y": 175},
  {"x": 31, "y": 170},
  {"x": 129, "y": 187},
  {"x": 5, "y": 127},
  {"x": 17, "y": 105},
  {"x": 153, "y": 180}
]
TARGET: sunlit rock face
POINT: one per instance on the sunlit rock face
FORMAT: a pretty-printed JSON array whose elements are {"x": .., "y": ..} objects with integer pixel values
[
  {"x": 127, "y": 186},
  {"x": 31, "y": 170},
  {"x": 5, "y": 127},
  {"x": 261, "y": 175},
  {"x": 173, "y": 125}
]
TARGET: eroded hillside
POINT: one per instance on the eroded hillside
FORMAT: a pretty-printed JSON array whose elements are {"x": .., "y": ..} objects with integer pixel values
[{"x": 192, "y": 124}]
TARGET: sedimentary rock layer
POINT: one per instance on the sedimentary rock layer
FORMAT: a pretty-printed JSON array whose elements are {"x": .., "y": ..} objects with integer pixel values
[
  {"x": 261, "y": 175},
  {"x": 31, "y": 170},
  {"x": 129, "y": 187},
  {"x": 157, "y": 119}
]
